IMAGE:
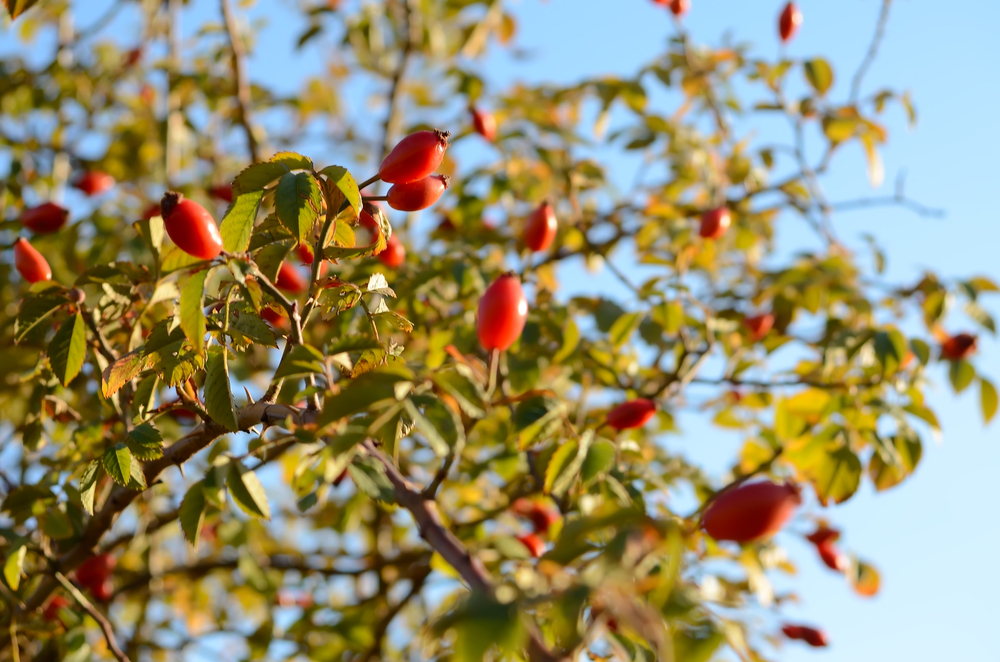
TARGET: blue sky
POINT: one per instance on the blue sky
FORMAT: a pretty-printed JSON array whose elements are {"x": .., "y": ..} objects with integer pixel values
[{"x": 933, "y": 538}]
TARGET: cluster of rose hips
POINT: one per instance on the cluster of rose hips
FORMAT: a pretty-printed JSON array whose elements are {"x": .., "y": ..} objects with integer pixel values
[
  {"x": 788, "y": 21},
  {"x": 542, "y": 519}
]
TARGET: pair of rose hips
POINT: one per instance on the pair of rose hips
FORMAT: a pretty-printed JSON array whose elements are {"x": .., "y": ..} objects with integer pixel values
[
  {"x": 824, "y": 539},
  {"x": 541, "y": 517}
]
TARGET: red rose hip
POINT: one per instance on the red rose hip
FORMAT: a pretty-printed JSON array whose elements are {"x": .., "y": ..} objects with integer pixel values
[
  {"x": 534, "y": 544},
  {"x": 751, "y": 511},
  {"x": 394, "y": 254},
  {"x": 190, "y": 226},
  {"x": 51, "y": 611},
  {"x": 832, "y": 557},
  {"x": 222, "y": 192},
  {"x": 30, "y": 263},
  {"x": 94, "y": 182},
  {"x": 789, "y": 21},
  {"x": 414, "y": 157},
  {"x": 631, "y": 414},
  {"x": 503, "y": 310},
  {"x": 812, "y": 636},
  {"x": 759, "y": 325},
  {"x": 414, "y": 196},
  {"x": 485, "y": 123},
  {"x": 714, "y": 223},
  {"x": 45, "y": 218},
  {"x": 290, "y": 279},
  {"x": 540, "y": 230},
  {"x": 958, "y": 347}
]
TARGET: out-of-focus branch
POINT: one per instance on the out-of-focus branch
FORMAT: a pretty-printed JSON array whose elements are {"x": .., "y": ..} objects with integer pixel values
[
  {"x": 375, "y": 651},
  {"x": 396, "y": 81},
  {"x": 240, "y": 79},
  {"x": 109, "y": 634},
  {"x": 897, "y": 200},
  {"x": 883, "y": 21},
  {"x": 451, "y": 549}
]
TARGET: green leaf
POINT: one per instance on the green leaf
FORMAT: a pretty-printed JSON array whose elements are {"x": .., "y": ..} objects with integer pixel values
[
  {"x": 819, "y": 73},
  {"x": 14, "y": 566},
  {"x": 369, "y": 477},
  {"x": 570, "y": 340},
  {"x": 907, "y": 453},
  {"x": 344, "y": 181},
  {"x": 88, "y": 486},
  {"x": 466, "y": 391},
  {"x": 835, "y": 476},
  {"x": 600, "y": 459},
  {"x": 434, "y": 438},
  {"x": 192, "y": 512},
  {"x": 32, "y": 312},
  {"x": 144, "y": 397},
  {"x": 669, "y": 315},
  {"x": 192, "y": 310},
  {"x": 559, "y": 463},
  {"x": 301, "y": 360},
  {"x": 257, "y": 177},
  {"x": 988, "y": 399},
  {"x": 961, "y": 374},
  {"x": 890, "y": 349},
  {"x": 623, "y": 328},
  {"x": 292, "y": 161},
  {"x": 237, "y": 225},
  {"x": 145, "y": 442},
  {"x": 118, "y": 463},
  {"x": 218, "y": 397},
  {"x": 354, "y": 343},
  {"x": 536, "y": 419},
  {"x": 298, "y": 203},
  {"x": 68, "y": 349},
  {"x": 362, "y": 392},
  {"x": 924, "y": 414},
  {"x": 247, "y": 491}
]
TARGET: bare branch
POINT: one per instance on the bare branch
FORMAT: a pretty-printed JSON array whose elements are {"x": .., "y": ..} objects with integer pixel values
[
  {"x": 883, "y": 20},
  {"x": 242, "y": 82},
  {"x": 109, "y": 633}
]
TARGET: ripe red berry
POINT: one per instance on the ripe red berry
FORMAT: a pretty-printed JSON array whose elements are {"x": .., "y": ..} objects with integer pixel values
[
  {"x": 751, "y": 511},
  {"x": 190, "y": 226},
  {"x": 789, "y": 21},
  {"x": 631, "y": 414},
  {"x": 759, "y": 325},
  {"x": 414, "y": 196},
  {"x": 94, "y": 182},
  {"x": 222, "y": 192},
  {"x": 503, "y": 310},
  {"x": 30, "y": 263},
  {"x": 276, "y": 319},
  {"x": 183, "y": 415},
  {"x": 832, "y": 557},
  {"x": 485, "y": 123},
  {"x": 290, "y": 279},
  {"x": 540, "y": 230},
  {"x": 414, "y": 157},
  {"x": 95, "y": 570},
  {"x": 394, "y": 254},
  {"x": 305, "y": 252},
  {"x": 51, "y": 611},
  {"x": 679, "y": 7},
  {"x": 133, "y": 56},
  {"x": 958, "y": 347},
  {"x": 46, "y": 217},
  {"x": 534, "y": 544},
  {"x": 823, "y": 534},
  {"x": 104, "y": 591},
  {"x": 542, "y": 518},
  {"x": 715, "y": 222},
  {"x": 812, "y": 636}
]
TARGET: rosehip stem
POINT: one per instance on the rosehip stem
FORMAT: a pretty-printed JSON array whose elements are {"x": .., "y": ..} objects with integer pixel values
[
  {"x": 494, "y": 367},
  {"x": 376, "y": 198},
  {"x": 369, "y": 182}
]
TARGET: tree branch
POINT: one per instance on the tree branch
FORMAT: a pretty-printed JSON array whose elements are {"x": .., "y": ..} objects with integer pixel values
[
  {"x": 243, "y": 97},
  {"x": 109, "y": 634},
  {"x": 883, "y": 20},
  {"x": 396, "y": 81}
]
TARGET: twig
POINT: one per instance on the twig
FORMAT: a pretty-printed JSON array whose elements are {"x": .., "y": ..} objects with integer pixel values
[
  {"x": 883, "y": 20},
  {"x": 898, "y": 200},
  {"x": 451, "y": 549},
  {"x": 243, "y": 98},
  {"x": 396, "y": 81},
  {"x": 109, "y": 634}
]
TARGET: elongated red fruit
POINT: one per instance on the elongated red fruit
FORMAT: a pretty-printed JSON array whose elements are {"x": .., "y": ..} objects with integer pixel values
[
  {"x": 57, "y": 602},
  {"x": 714, "y": 223},
  {"x": 46, "y": 217},
  {"x": 631, "y": 414},
  {"x": 414, "y": 196},
  {"x": 503, "y": 310},
  {"x": 190, "y": 226},
  {"x": 94, "y": 182},
  {"x": 222, "y": 192},
  {"x": 30, "y": 263},
  {"x": 291, "y": 279},
  {"x": 751, "y": 511},
  {"x": 832, "y": 557},
  {"x": 789, "y": 21},
  {"x": 414, "y": 157},
  {"x": 540, "y": 230},
  {"x": 394, "y": 254},
  {"x": 534, "y": 544},
  {"x": 305, "y": 252},
  {"x": 823, "y": 534},
  {"x": 679, "y": 7},
  {"x": 812, "y": 636},
  {"x": 485, "y": 123},
  {"x": 540, "y": 516},
  {"x": 958, "y": 347},
  {"x": 95, "y": 570},
  {"x": 759, "y": 325},
  {"x": 276, "y": 319}
]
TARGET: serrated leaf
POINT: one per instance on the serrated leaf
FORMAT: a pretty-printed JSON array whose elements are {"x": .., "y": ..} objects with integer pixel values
[
  {"x": 247, "y": 491},
  {"x": 362, "y": 392},
  {"x": 68, "y": 349},
  {"x": 344, "y": 181},
  {"x": 192, "y": 311},
  {"x": 988, "y": 399},
  {"x": 437, "y": 442},
  {"x": 192, "y": 512},
  {"x": 237, "y": 225},
  {"x": 370, "y": 478},
  {"x": 397, "y": 320},
  {"x": 218, "y": 397},
  {"x": 559, "y": 463},
  {"x": 14, "y": 566},
  {"x": 144, "y": 397},
  {"x": 356, "y": 343},
  {"x": 32, "y": 312},
  {"x": 300, "y": 360},
  {"x": 145, "y": 442},
  {"x": 819, "y": 73},
  {"x": 298, "y": 203},
  {"x": 88, "y": 486},
  {"x": 292, "y": 161},
  {"x": 118, "y": 463},
  {"x": 257, "y": 177},
  {"x": 378, "y": 284}
]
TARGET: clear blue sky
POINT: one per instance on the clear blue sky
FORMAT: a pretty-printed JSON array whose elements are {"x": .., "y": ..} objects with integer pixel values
[{"x": 935, "y": 537}]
